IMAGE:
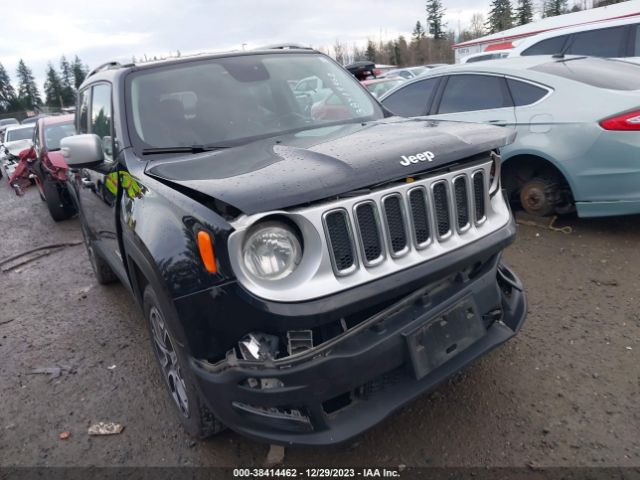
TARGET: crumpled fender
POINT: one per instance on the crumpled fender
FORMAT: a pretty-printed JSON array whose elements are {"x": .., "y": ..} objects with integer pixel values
[
  {"x": 57, "y": 160},
  {"x": 20, "y": 177}
]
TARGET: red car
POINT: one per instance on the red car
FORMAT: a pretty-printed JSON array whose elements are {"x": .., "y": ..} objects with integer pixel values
[
  {"x": 44, "y": 164},
  {"x": 51, "y": 169}
]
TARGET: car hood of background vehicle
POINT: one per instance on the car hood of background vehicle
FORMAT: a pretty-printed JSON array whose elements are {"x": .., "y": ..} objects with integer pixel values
[
  {"x": 15, "y": 147},
  {"x": 307, "y": 166}
]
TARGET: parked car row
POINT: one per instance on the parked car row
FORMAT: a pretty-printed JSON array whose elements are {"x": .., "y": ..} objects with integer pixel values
[
  {"x": 6, "y": 122},
  {"x": 30, "y": 154}
]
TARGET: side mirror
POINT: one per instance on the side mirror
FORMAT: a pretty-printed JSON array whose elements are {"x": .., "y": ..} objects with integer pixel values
[{"x": 82, "y": 150}]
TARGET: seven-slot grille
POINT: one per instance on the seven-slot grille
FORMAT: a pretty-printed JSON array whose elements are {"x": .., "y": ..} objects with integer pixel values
[{"x": 399, "y": 221}]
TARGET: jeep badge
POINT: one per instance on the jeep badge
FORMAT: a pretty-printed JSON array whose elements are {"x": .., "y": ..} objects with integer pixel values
[{"x": 418, "y": 157}]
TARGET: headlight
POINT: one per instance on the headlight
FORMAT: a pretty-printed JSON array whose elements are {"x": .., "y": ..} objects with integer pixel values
[{"x": 271, "y": 251}]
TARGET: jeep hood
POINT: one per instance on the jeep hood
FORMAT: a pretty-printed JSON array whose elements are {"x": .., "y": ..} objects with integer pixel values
[{"x": 311, "y": 165}]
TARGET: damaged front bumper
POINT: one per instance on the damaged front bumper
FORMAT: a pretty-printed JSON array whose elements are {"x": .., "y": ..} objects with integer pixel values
[{"x": 350, "y": 383}]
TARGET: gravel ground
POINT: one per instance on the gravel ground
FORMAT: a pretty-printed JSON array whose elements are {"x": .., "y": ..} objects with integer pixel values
[{"x": 564, "y": 392}]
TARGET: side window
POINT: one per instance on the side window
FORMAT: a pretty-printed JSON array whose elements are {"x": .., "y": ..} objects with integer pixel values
[
  {"x": 82, "y": 114},
  {"x": 101, "y": 117},
  {"x": 550, "y": 46},
  {"x": 524, "y": 93},
  {"x": 466, "y": 93},
  {"x": 605, "y": 42},
  {"x": 412, "y": 100},
  {"x": 636, "y": 47}
]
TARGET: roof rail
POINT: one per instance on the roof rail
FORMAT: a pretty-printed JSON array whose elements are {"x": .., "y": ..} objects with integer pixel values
[
  {"x": 104, "y": 66},
  {"x": 284, "y": 46}
]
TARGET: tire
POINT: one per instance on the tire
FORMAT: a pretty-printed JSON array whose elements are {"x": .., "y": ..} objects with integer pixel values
[
  {"x": 101, "y": 269},
  {"x": 58, "y": 205},
  {"x": 194, "y": 415}
]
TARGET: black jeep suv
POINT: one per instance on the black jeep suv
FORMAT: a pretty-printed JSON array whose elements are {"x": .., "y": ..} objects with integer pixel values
[{"x": 307, "y": 263}]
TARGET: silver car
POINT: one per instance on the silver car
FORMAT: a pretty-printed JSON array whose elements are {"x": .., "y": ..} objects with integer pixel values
[
  {"x": 577, "y": 121},
  {"x": 16, "y": 138}
]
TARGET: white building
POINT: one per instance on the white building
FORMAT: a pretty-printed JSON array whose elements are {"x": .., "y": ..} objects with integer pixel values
[{"x": 507, "y": 39}]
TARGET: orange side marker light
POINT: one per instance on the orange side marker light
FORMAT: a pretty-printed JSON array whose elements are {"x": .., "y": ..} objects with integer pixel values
[{"x": 205, "y": 245}]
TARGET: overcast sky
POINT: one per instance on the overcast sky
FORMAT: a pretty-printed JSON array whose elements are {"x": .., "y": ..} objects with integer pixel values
[{"x": 39, "y": 31}]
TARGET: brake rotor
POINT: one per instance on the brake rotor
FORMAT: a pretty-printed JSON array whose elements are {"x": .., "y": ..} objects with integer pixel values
[{"x": 537, "y": 197}]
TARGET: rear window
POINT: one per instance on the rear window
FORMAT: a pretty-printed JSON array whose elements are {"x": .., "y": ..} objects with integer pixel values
[
  {"x": 550, "y": 46},
  {"x": 605, "y": 42},
  {"x": 524, "y": 93},
  {"x": 597, "y": 72}
]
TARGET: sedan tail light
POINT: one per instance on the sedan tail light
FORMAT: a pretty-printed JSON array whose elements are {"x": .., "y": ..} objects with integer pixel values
[{"x": 624, "y": 121}]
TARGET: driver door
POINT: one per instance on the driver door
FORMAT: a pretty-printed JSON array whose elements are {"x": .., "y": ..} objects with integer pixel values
[{"x": 97, "y": 186}]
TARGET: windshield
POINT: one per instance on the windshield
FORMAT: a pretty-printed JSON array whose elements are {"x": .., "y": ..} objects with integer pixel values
[
  {"x": 233, "y": 100},
  {"x": 19, "y": 134},
  {"x": 53, "y": 134}
]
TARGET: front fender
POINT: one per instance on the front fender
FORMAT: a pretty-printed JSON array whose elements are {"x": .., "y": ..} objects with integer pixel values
[
  {"x": 161, "y": 224},
  {"x": 159, "y": 227}
]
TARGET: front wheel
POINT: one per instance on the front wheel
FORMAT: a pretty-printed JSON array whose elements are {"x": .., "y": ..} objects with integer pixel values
[
  {"x": 101, "y": 269},
  {"x": 55, "y": 198},
  {"x": 191, "y": 410}
]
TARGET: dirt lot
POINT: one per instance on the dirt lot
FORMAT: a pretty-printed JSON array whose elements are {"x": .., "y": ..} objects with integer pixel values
[{"x": 564, "y": 392}]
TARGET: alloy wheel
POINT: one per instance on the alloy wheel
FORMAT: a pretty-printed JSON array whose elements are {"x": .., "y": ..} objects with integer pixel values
[{"x": 168, "y": 359}]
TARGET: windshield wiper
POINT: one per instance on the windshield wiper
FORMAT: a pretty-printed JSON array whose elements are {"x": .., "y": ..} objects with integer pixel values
[{"x": 191, "y": 149}]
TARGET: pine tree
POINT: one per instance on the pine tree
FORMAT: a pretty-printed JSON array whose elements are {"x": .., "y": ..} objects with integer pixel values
[
  {"x": 53, "y": 89},
  {"x": 435, "y": 13},
  {"x": 80, "y": 72},
  {"x": 397, "y": 53},
  {"x": 28, "y": 94},
  {"x": 7, "y": 93},
  {"x": 418, "y": 32},
  {"x": 370, "y": 53},
  {"x": 524, "y": 12},
  {"x": 66, "y": 79},
  {"x": 553, "y": 8},
  {"x": 500, "y": 16}
]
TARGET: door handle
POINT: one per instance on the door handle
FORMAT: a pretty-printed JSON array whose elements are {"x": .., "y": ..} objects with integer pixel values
[{"x": 499, "y": 123}]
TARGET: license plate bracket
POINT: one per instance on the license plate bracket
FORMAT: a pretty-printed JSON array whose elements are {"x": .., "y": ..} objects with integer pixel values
[{"x": 443, "y": 337}]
